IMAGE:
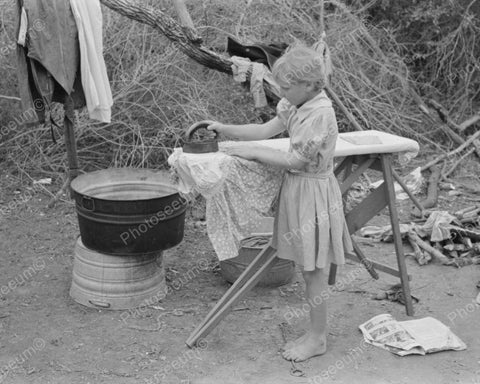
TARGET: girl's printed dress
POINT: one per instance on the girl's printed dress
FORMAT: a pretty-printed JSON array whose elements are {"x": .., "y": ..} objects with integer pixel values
[{"x": 310, "y": 226}]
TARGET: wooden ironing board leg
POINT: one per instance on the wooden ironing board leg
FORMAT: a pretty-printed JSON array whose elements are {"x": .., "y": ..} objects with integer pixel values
[
  {"x": 397, "y": 237},
  {"x": 245, "y": 282}
]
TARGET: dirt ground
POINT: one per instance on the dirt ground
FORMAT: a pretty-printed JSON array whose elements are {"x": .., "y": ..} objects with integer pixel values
[{"x": 46, "y": 337}]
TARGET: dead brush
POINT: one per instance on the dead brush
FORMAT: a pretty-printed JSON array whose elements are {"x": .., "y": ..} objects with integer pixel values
[{"x": 159, "y": 92}]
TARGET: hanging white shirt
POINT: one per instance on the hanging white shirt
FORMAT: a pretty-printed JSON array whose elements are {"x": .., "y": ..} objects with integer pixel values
[{"x": 88, "y": 17}]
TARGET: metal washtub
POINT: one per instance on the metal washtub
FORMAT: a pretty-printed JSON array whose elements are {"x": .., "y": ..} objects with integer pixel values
[{"x": 127, "y": 211}]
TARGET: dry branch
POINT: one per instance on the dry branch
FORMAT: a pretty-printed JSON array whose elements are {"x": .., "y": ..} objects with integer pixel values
[
  {"x": 187, "y": 23},
  {"x": 174, "y": 32},
  {"x": 463, "y": 232},
  {"x": 10, "y": 98},
  {"x": 375, "y": 46},
  {"x": 448, "y": 126},
  {"x": 470, "y": 140},
  {"x": 469, "y": 122},
  {"x": 443, "y": 114},
  {"x": 436, "y": 254},
  {"x": 432, "y": 194},
  {"x": 457, "y": 163},
  {"x": 421, "y": 257}
]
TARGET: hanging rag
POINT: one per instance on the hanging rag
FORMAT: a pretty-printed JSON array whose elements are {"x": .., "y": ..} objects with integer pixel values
[
  {"x": 240, "y": 67},
  {"x": 260, "y": 58},
  {"x": 259, "y": 73},
  {"x": 88, "y": 16},
  {"x": 48, "y": 57}
]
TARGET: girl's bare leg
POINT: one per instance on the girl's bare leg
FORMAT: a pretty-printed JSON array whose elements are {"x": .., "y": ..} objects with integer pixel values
[{"x": 313, "y": 343}]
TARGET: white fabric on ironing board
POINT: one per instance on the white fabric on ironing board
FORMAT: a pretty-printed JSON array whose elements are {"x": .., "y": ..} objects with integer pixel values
[{"x": 239, "y": 191}]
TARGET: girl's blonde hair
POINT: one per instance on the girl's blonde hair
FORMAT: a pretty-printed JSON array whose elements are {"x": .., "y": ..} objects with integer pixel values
[{"x": 300, "y": 64}]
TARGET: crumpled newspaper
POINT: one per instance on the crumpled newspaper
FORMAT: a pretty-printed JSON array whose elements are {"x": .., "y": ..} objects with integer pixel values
[{"x": 419, "y": 336}]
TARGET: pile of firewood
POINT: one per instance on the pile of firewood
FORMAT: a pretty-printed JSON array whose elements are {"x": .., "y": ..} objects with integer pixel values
[
  {"x": 460, "y": 249},
  {"x": 451, "y": 239}
]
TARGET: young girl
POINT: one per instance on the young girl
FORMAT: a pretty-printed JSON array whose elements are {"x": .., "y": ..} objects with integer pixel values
[{"x": 310, "y": 226}]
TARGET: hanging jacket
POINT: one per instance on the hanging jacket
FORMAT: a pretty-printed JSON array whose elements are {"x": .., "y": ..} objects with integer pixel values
[
  {"x": 258, "y": 52},
  {"x": 49, "y": 61}
]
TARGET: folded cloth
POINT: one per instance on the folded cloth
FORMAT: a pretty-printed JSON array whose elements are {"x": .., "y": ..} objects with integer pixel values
[{"x": 237, "y": 191}]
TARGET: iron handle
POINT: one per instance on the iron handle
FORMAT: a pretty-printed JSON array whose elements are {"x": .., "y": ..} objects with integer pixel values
[{"x": 199, "y": 125}]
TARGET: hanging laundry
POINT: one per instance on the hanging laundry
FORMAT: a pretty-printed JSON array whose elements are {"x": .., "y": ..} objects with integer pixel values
[
  {"x": 258, "y": 52},
  {"x": 259, "y": 73},
  {"x": 48, "y": 57},
  {"x": 259, "y": 58},
  {"x": 88, "y": 16}
]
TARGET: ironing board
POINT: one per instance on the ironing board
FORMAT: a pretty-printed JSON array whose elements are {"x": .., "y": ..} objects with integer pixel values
[{"x": 355, "y": 152}]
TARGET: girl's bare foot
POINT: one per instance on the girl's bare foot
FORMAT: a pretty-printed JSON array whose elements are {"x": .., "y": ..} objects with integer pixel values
[
  {"x": 312, "y": 345},
  {"x": 295, "y": 342}
]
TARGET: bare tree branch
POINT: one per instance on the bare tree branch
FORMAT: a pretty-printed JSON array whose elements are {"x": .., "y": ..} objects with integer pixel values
[
  {"x": 174, "y": 32},
  {"x": 10, "y": 98}
]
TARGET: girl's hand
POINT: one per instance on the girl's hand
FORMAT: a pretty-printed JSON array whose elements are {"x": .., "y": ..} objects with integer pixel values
[
  {"x": 216, "y": 126},
  {"x": 248, "y": 152}
]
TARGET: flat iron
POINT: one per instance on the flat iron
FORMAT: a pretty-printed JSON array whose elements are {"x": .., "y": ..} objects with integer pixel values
[{"x": 200, "y": 146}]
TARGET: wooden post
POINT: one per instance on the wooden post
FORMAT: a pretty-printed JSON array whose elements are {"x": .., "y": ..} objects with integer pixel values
[{"x": 70, "y": 144}]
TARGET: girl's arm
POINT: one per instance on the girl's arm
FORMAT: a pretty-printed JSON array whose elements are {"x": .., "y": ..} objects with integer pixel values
[
  {"x": 249, "y": 132},
  {"x": 264, "y": 154}
]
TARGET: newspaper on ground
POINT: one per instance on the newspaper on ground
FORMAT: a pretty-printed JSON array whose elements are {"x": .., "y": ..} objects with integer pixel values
[{"x": 410, "y": 337}]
